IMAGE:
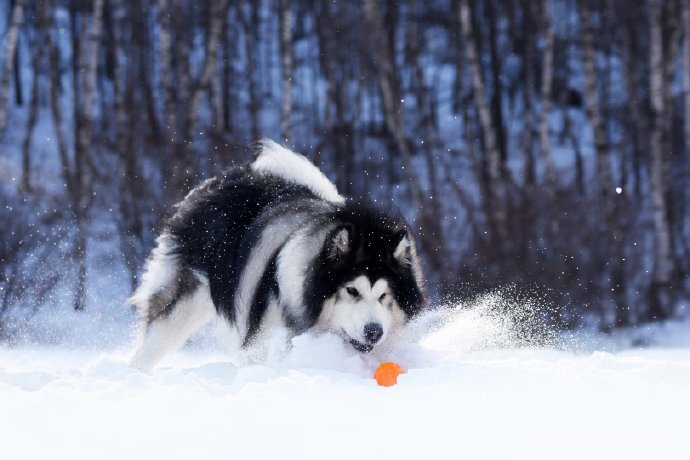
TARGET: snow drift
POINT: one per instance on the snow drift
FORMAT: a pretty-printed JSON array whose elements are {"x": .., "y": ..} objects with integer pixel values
[{"x": 475, "y": 387}]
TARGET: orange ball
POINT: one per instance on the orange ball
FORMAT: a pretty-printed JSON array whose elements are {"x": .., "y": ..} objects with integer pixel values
[{"x": 387, "y": 374}]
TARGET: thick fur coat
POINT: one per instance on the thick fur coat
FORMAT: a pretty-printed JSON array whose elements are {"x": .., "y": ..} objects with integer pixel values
[{"x": 274, "y": 243}]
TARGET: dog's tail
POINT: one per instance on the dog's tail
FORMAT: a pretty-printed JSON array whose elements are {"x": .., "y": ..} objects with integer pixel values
[
  {"x": 159, "y": 282},
  {"x": 275, "y": 159}
]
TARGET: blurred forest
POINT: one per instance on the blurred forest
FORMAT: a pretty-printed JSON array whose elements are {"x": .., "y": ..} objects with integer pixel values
[{"x": 538, "y": 145}]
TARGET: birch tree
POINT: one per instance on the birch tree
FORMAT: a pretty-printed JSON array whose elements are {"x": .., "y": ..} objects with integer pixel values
[
  {"x": 10, "y": 45},
  {"x": 249, "y": 18},
  {"x": 612, "y": 229},
  {"x": 496, "y": 203},
  {"x": 55, "y": 104},
  {"x": 180, "y": 54},
  {"x": 164, "y": 50},
  {"x": 88, "y": 70},
  {"x": 286, "y": 59},
  {"x": 131, "y": 191},
  {"x": 663, "y": 263},
  {"x": 686, "y": 124},
  {"x": 84, "y": 135},
  {"x": 497, "y": 95},
  {"x": 686, "y": 76},
  {"x": 593, "y": 106},
  {"x": 527, "y": 143},
  {"x": 73, "y": 170},
  {"x": 546, "y": 84},
  {"x": 428, "y": 129},
  {"x": 337, "y": 126},
  {"x": 37, "y": 65},
  {"x": 219, "y": 10},
  {"x": 632, "y": 83}
]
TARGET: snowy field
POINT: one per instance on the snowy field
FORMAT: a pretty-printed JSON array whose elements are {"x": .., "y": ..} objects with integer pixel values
[{"x": 472, "y": 390}]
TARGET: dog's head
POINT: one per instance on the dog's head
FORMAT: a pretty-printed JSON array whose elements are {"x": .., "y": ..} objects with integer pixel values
[{"x": 367, "y": 279}]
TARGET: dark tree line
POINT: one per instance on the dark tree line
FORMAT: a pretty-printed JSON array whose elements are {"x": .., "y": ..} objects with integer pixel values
[{"x": 543, "y": 145}]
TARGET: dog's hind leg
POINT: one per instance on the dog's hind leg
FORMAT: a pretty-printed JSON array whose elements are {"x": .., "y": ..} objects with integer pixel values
[{"x": 167, "y": 332}]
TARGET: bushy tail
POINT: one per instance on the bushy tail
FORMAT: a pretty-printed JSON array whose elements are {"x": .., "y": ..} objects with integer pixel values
[
  {"x": 159, "y": 281},
  {"x": 277, "y": 160}
]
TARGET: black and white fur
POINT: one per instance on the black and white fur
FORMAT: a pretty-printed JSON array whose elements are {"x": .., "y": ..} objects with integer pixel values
[{"x": 274, "y": 244}]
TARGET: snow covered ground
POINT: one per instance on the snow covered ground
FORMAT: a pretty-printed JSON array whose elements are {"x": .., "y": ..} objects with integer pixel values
[{"x": 472, "y": 390}]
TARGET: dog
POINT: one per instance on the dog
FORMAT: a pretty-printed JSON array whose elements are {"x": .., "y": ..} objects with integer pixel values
[{"x": 273, "y": 244}]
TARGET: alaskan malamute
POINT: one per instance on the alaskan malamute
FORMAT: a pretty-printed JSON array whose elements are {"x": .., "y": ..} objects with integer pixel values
[{"x": 272, "y": 244}]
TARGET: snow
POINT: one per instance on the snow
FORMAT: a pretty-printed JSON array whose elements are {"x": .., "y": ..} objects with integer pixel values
[{"x": 474, "y": 388}]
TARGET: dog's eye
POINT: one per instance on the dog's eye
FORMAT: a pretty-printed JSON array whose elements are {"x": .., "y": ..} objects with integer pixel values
[
  {"x": 352, "y": 291},
  {"x": 383, "y": 296}
]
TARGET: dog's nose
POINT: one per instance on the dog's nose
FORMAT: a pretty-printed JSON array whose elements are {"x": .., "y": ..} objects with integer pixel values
[{"x": 373, "y": 332}]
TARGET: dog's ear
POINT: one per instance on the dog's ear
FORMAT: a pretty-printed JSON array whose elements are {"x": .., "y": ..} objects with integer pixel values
[
  {"x": 339, "y": 242},
  {"x": 402, "y": 248}
]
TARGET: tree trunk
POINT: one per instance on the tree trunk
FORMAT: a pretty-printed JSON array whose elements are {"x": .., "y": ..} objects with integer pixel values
[
  {"x": 181, "y": 54},
  {"x": 84, "y": 132},
  {"x": 76, "y": 56},
  {"x": 674, "y": 164},
  {"x": 173, "y": 94},
  {"x": 129, "y": 196},
  {"x": 686, "y": 124},
  {"x": 164, "y": 46},
  {"x": 528, "y": 169},
  {"x": 431, "y": 213},
  {"x": 497, "y": 93},
  {"x": 141, "y": 55},
  {"x": 216, "y": 89},
  {"x": 546, "y": 84},
  {"x": 89, "y": 68},
  {"x": 614, "y": 233},
  {"x": 249, "y": 17},
  {"x": 389, "y": 95},
  {"x": 68, "y": 167},
  {"x": 639, "y": 127},
  {"x": 55, "y": 105},
  {"x": 496, "y": 205},
  {"x": 574, "y": 140},
  {"x": 10, "y": 44},
  {"x": 336, "y": 127},
  {"x": 18, "y": 92},
  {"x": 218, "y": 12},
  {"x": 36, "y": 61},
  {"x": 593, "y": 107},
  {"x": 686, "y": 72},
  {"x": 659, "y": 307},
  {"x": 229, "y": 57},
  {"x": 182, "y": 166},
  {"x": 286, "y": 53}
]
